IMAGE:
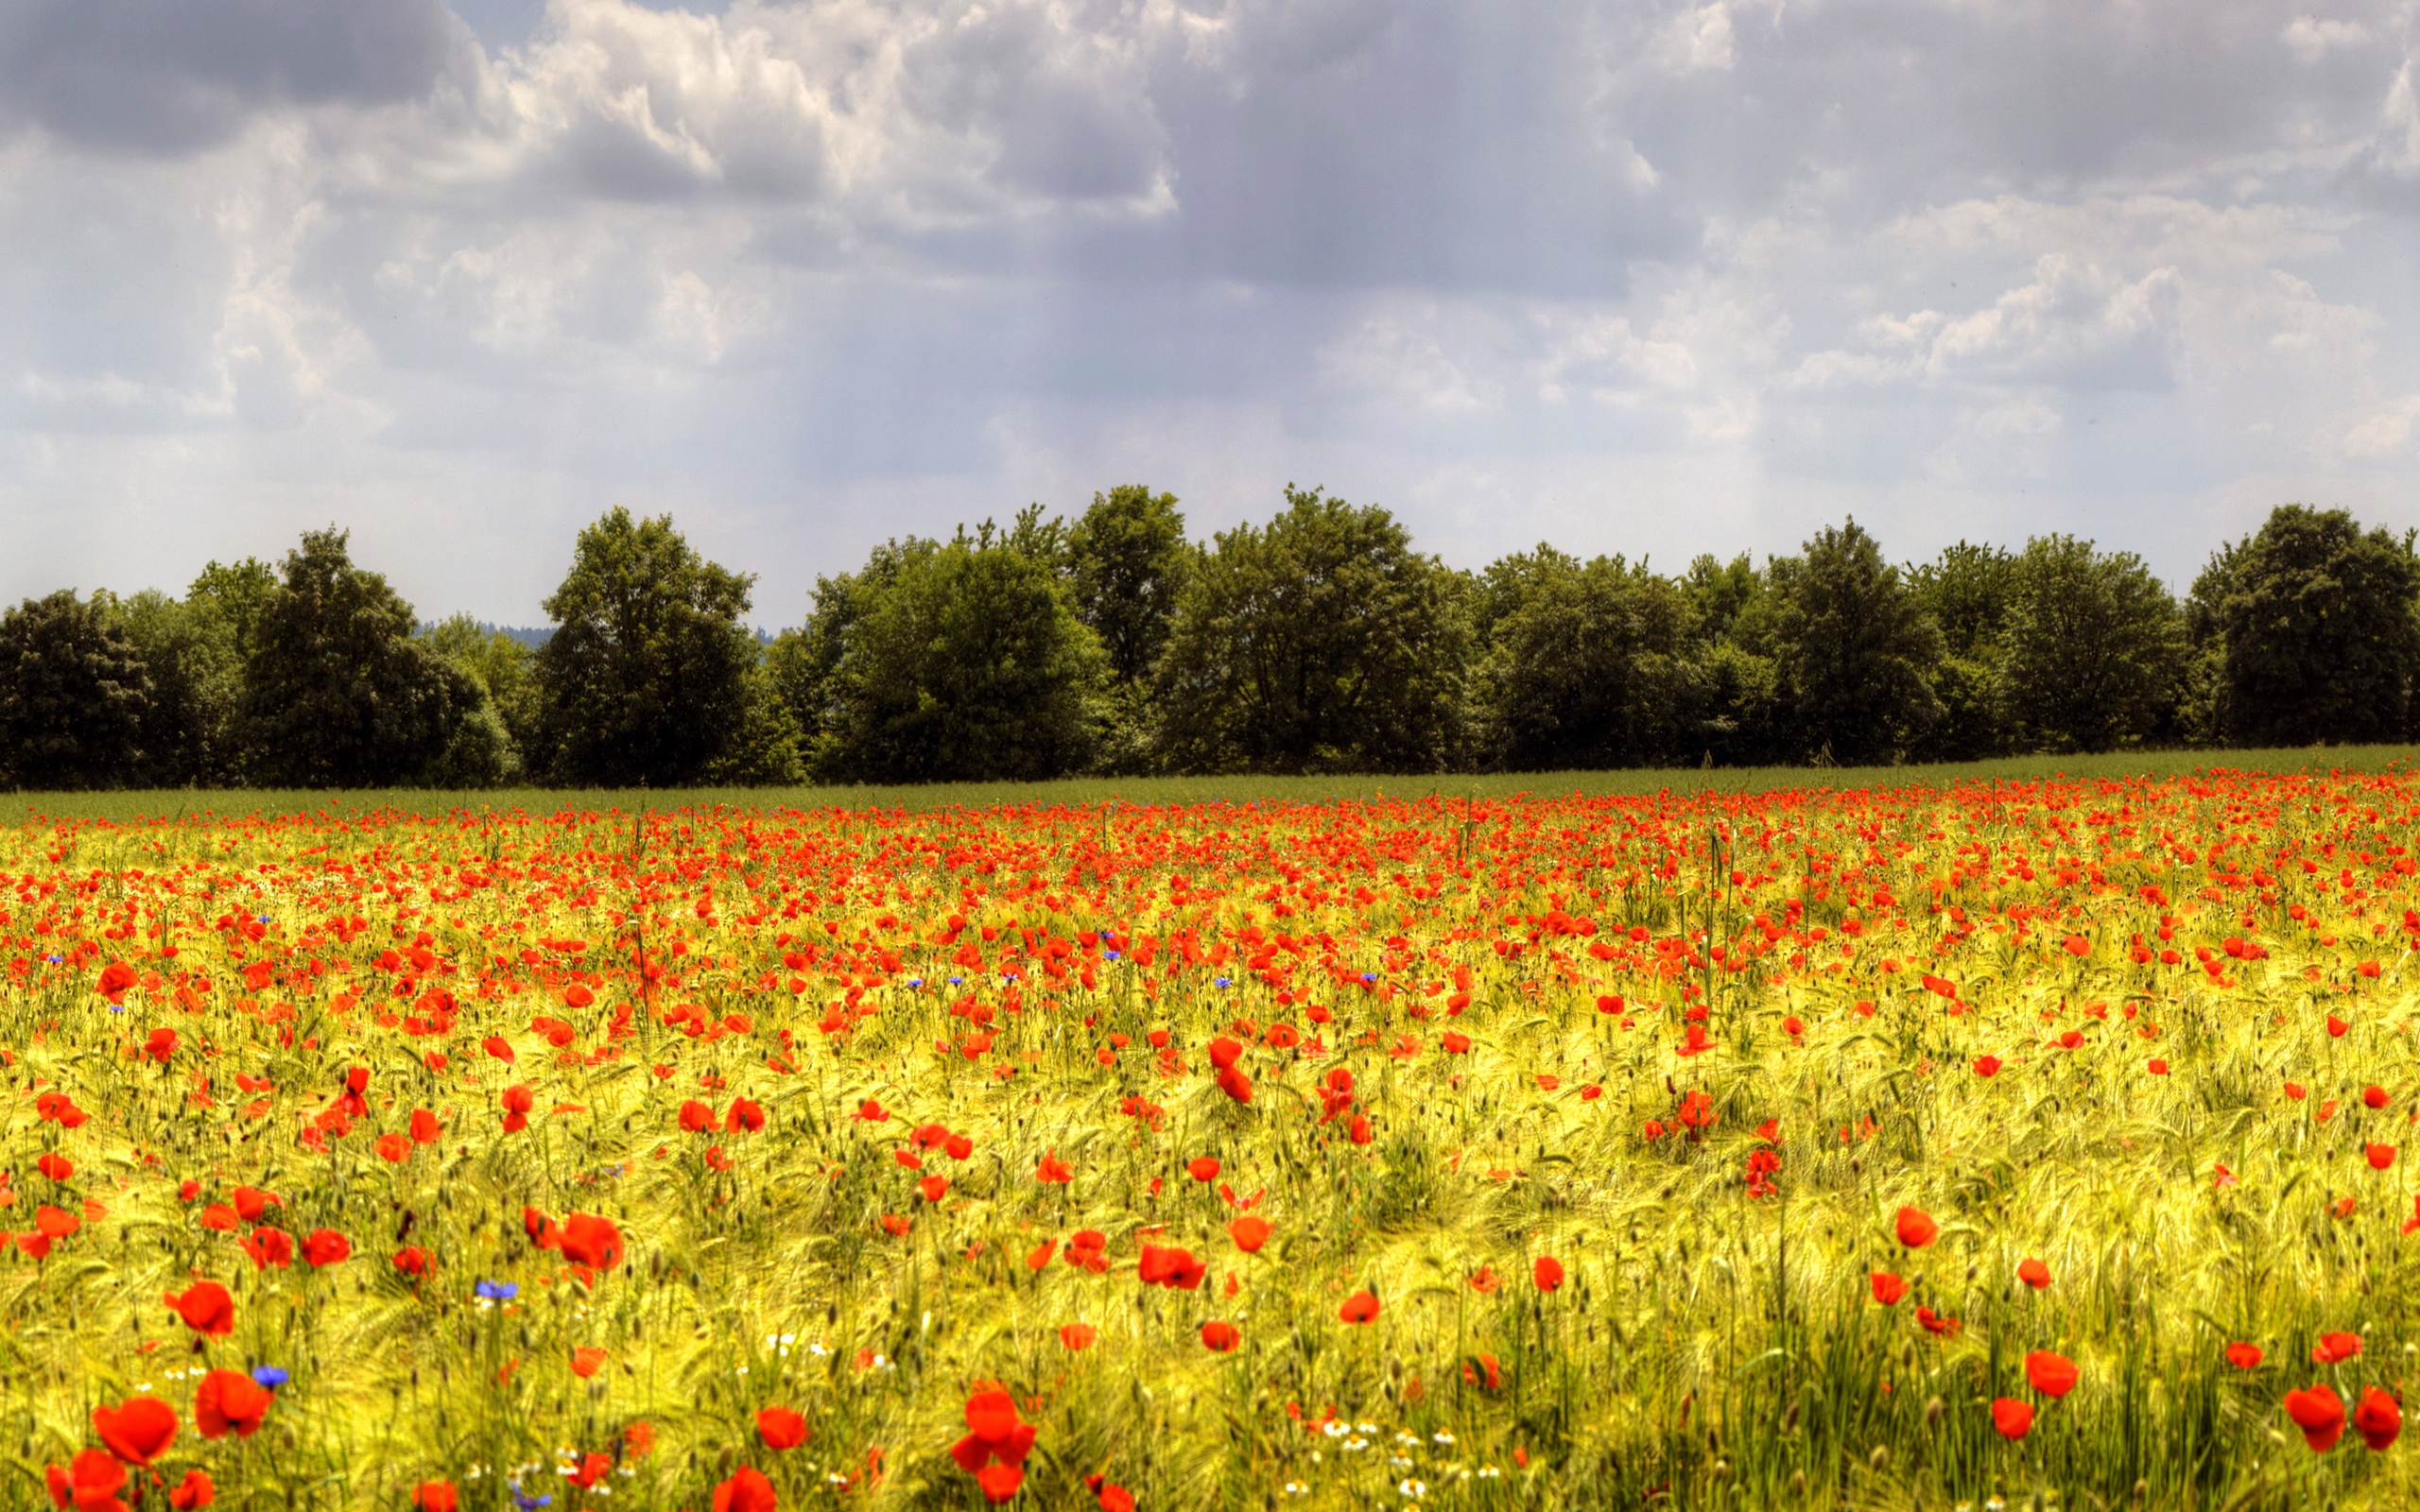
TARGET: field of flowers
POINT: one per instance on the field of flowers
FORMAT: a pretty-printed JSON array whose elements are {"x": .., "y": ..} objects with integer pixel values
[{"x": 2035, "y": 1144}]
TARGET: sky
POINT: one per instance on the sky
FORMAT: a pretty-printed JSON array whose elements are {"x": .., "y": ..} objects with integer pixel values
[{"x": 1649, "y": 277}]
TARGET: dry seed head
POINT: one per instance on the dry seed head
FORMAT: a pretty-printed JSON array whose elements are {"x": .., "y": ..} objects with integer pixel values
[{"x": 1881, "y": 1458}]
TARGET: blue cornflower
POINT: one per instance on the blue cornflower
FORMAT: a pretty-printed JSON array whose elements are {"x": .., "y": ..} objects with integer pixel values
[
  {"x": 270, "y": 1376},
  {"x": 499, "y": 1291}
]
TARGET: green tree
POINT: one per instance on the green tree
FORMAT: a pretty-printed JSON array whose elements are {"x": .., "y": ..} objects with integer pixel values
[
  {"x": 192, "y": 736},
  {"x": 73, "y": 696},
  {"x": 1969, "y": 592},
  {"x": 649, "y": 677},
  {"x": 336, "y": 693},
  {"x": 485, "y": 750},
  {"x": 1586, "y": 666},
  {"x": 949, "y": 663},
  {"x": 1130, "y": 561},
  {"x": 1856, "y": 651},
  {"x": 2093, "y": 647},
  {"x": 1321, "y": 642},
  {"x": 2310, "y": 624}
]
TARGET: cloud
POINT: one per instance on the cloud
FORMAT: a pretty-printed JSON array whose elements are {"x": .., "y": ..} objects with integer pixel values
[
  {"x": 1657, "y": 276},
  {"x": 171, "y": 77}
]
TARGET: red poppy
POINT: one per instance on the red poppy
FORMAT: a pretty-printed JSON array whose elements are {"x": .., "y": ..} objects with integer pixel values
[
  {"x": 161, "y": 1045},
  {"x": 2244, "y": 1356},
  {"x": 2054, "y": 1375},
  {"x": 1249, "y": 1232},
  {"x": 206, "y": 1307},
  {"x": 496, "y": 1045},
  {"x": 435, "y": 1496},
  {"x": 1987, "y": 1065},
  {"x": 2333, "y": 1348},
  {"x": 425, "y": 1127},
  {"x": 1170, "y": 1266},
  {"x": 138, "y": 1430},
  {"x": 1548, "y": 1272},
  {"x": 1220, "y": 1336},
  {"x": 2376, "y": 1418},
  {"x": 392, "y": 1149},
  {"x": 2380, "y": 1156},
  {"x": 412, "y": 1261},
  {"x": 1916, "y": 1227},
  {"x": 228, "y": 1400},
  {"x": 1484, "y": 1280},
  {"x": 744, "y": 1117},
  {"x": 1361, "y": 1307},
  {"x": 998, "y": 1483},
  {"x": 90, "y": 1482},
  {"x": 2034, "y": 1273},
  {"x": 195, "y": 1490},
  {"x": 250, "y": 1202},
  {"x": 1888, "y": 1288},
  {"x": 1053, "y": 1170},
  {"x": 2373, "y": 1097},
  {"x": 746, "y": 1491},
  {"x": 2014, "y": 1418},
  {"x": 325, "y": 1246},
  {"x": 780, "y": 1426},
  {"x": 586, "y": 1361},
  {"x": 2318, "y": 1412},
  {"x": 1077, "y": 1335},
  {"x": 697, "y": 1117},
  {"x": 588, "y": 1239},
  {"x": 1202, "y": 1168}
]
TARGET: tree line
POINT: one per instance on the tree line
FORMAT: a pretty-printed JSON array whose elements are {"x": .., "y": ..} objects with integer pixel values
[{"x": 1112, "y": 644}]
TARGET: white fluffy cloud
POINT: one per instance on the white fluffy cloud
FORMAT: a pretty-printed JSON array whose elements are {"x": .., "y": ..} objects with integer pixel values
[{"x": 1653, "y": 277}]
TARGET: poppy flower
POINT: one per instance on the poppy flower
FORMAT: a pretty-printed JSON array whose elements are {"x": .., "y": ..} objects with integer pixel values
[
  {"x": 1169, "y": 1266},
  {"x": 744, "y": 1117},
  {"x": 195, "y": 1490},
  {"x": 230, "y": 1402},
  {"x": 746, "y": 1491},
  {"x": 2333, "y": 1348},
  {"x": 392, "y": 1149},
  {"x": 697, "y": 1117},
  {"x": 2244, "y": 1356},
  {"x": 1112, "y": 1496},
  {"x": 1202, "y": 1168},
  {"x": 1548, "y": 1272},
  {"x": 1218, "y": 1336},
  {"x": 206, "y": 1307},
  {"x": 425, "y": 1127},
  {"x": 2379, "y": 1155},
  {"x": 90, "y": 1482},
  {"x": 1916, "y": 1228},
  {"x": 2318, "y": 1412},
  {"x": 2373, "y": 1097},
  {"x": 251, "y": 1202},
  {"x": 1053, "y": 1170},
  {"x": 2034, "y": 1273},
  {"x": 933, "y": 1188},
  {"x": 1888, "y": 1288},
  {"x": 1987, "y": 1065},
  {"x": 138, "y": 1430},
  {"x": 588, "y": 1239},
  {"x": 2376, "y": 1418},
  {"x": 2054, "y": 1375},
  {"x": 2014, "y": 1418},
  {"x": 780, "y": 1426},
  {"x": 1077, "y": 1335},
  {"x": 998, "y": 1483},
  {"x": 325, "y": 1246},
  {"x": 435, "y": 1496},
  {"x": 1361, "y": 1307},
  {"x": 1249, "y": 1232},
  {"x": 586, "y": 1361},
  {"x": 1484, "y": 1280}
]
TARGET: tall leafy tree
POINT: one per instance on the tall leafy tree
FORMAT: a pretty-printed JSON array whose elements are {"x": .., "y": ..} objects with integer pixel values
[
  {"x": 1321, "y": 642},
  {"x": 1856, "y": 651},
  {"x": 336, "y": 693},
  {"x": 650, "y": 676},
  {"x": 2309, "y": 625},
  {"x": 2092, "y": 649},
  {"x": 1586, "y": 665},
  {"x": 957, "y": 662},
  {"x": 73, "y": 696},
  {"x": 1129, "y": 561},
  {"x": 1968, "y": 590}
]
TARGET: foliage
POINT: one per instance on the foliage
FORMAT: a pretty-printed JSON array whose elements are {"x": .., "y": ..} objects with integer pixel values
[
  {"x": 336, "y": 694},
  {"x": 648, "y": 677},
  {"x": 192, "y": 736},
  {"x": 1321, "y": 642},
  {"x": 2316, "y": 621},
  {"x": 952, "y": 663},
  {"x": 73, "y": 696},
  {"x": 1128, "y": 563},
  {"x": 2094, "y": 648},
  {"x": 1970, "y": 591},
  {"x": 1855, "y": 650},
  {"x": 1586, "y": 665}
]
